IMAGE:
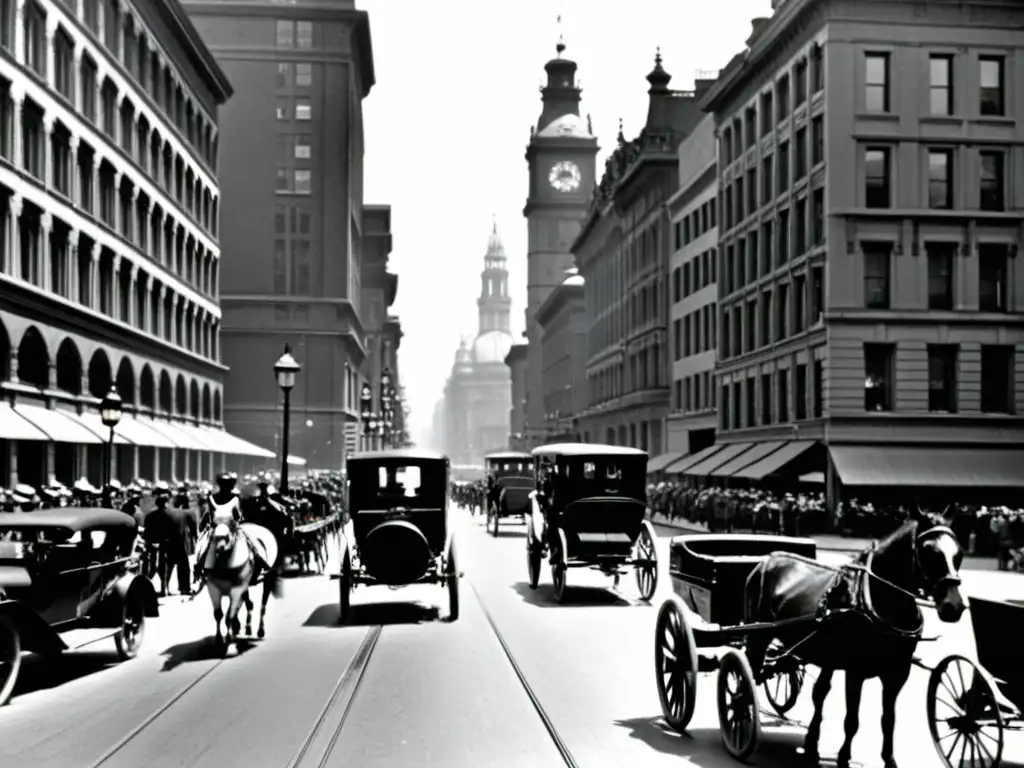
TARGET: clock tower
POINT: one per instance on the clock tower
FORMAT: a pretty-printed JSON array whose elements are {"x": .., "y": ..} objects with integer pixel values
[{"x": 562, "y": 158}]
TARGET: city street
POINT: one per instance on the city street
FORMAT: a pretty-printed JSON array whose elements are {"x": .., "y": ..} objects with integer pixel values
[{"x": 431, "y": 694}]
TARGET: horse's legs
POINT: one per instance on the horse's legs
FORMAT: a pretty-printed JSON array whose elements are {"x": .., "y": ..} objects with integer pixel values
[
  {"x": 892, "y": 684},
  {"x": 218, "y": 611},
  {"x": 854, "y": 688},
  {"x": 818, "y": 695},
  {"x": 266, "y": 589},
  {"x": 249, "y": 608},
  {"x": 234, "y": 606}
]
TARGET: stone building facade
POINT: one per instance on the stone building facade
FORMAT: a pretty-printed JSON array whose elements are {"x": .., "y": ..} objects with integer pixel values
[{"x": 563, "y": 321}]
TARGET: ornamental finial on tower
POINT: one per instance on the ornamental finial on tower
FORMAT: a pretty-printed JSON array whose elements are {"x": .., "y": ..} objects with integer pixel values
[{"x": 560, "y": 45}]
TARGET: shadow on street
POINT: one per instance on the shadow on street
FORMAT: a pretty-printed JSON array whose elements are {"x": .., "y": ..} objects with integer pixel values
[
  {"x": 202, "y": 649},
  {"x": 575, "y": 597},
  {"x": 40, "y": 672},
  {"x": 373, "y": 614}
]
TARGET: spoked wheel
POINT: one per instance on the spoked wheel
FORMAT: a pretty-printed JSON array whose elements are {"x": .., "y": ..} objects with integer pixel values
[
  {"x": 345, "y": 592},
  {"x": 964, "y": 715},
  {"x": 10, "y": 658},
  {"x": 646, "y": 575},
  {"x": 739, "y": 716},
  {"x": 558, "y": 570},
  {"x": 782, "y": 689},
  {"x": 675, "y": 664},
  {"x": 129, "y": 637},
  {"x": 452, "y": 576}
]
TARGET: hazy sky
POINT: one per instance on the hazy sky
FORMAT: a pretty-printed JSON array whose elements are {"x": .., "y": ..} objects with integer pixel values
[{"x": 448, "y": 122}]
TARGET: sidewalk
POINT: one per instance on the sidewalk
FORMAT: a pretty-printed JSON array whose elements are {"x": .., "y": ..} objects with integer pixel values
[{"x": 826, "y": 542}]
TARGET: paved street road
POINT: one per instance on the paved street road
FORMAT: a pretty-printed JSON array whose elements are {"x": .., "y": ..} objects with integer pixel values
[{"x": 431, "y": 694}]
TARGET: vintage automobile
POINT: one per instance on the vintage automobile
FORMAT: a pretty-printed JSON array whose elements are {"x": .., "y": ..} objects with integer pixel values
[
  {"x": 509, "y": 483},
  {"x": 67, "y": 569},
  {"x": 589, "y": 511},
  {"x": 399, "y": 533}
]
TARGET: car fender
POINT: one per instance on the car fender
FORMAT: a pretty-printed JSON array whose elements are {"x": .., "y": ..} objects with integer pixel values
[
  {"x": 36, "y": 634},
  {"x": 132, "y": 585}
]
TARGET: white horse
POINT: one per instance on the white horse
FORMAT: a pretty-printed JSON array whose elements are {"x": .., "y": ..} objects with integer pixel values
[{"x": 232, "y": 565}]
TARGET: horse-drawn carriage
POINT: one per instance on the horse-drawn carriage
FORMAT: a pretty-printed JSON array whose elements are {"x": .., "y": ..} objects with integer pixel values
[
  {"x": 589, "y": 511},
  {"x": 68, "y": 569},
  {"x": 972, "y": 704},
  {"x": 399, "y": 533},
  {"x": 509, "y": 483}
]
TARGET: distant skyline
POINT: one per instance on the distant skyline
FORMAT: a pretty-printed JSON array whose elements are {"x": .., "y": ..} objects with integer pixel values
[{"x": 447, "y": 125}]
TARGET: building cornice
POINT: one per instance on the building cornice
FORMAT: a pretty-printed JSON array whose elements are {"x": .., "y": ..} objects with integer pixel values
[{"x": 556, "y": 300}]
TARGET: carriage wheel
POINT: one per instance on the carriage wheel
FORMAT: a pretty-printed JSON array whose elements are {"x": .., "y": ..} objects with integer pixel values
[
  {"x": 964, "y": 715},
  {"x": 782, "y": 689},
  {"x": 10, "y": 658},
  {"x": 646, "y": 575},
  {"x": 345, "y": 592},
  {"x": 675, "y": 664},
  {"x": 739, "y": 717},
  {"x": 129, "y": 637},
  {"x": 559, "y": 569},
  {"x": 452, "y": 574}
]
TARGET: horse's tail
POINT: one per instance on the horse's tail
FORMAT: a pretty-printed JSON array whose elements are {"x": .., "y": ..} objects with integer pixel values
[{"x": 272, "y": 582}]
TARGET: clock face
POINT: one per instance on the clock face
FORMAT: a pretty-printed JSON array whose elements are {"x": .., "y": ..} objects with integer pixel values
[{"x": 565, "y": 176}]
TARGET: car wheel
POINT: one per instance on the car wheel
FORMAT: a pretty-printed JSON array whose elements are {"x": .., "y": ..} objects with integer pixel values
[
  {"x": 10, "y": 658},
  {"x": 128, "y": 639}
]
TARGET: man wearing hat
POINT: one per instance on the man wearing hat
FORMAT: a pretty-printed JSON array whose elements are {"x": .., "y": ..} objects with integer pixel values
[
  {"x": 24, "y": 498},
  {"x": 169, "y": 532}
]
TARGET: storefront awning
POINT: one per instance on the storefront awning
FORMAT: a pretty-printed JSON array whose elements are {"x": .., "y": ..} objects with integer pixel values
[
  {"x": 15, "y": 427},
  {"x": 936, "y": 466},
  {"x": 94, "y": 424},
  {"x": 773, "y": 462},
  {"x": 139, "y": 432},
  {"x": 658, "y": 463},
  {"x": 234, "y": 446},
  {"x": 179, "y": 437},
  {"x": 688, "y": 461},
  {"x": 296, "y": 461},
  {"x": 710, "y": 464},
  {"x": 58, "y": 426},
  {"x": 757, "y": 452}
]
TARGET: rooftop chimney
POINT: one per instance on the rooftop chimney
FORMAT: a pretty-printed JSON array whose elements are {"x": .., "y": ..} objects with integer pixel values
[{"x": 757, "y": 26}]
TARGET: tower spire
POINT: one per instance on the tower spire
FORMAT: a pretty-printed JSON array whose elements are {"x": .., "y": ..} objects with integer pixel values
[{"x": 560, "y": 45}]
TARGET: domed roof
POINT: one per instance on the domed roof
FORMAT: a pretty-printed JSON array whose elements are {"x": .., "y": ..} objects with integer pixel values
[
  {"x": 492, "y": 347},
  {"x": 567, "y": 127}
]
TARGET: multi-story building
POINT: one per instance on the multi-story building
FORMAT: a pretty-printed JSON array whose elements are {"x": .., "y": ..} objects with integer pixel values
[
  {"x": 693, "y": 297},
  {"x": 293, "y": 228},
  {"x": 869, "y": 219},
  {"x": 563, "y": 322},
  {"x": 622, "y": 253},
  {"x": 561, "y": 157},
  {"x": 110, "y": 257},
  {"x": 515, "y": 361}
]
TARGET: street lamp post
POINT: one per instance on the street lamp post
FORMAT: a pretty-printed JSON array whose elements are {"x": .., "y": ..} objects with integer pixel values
[
  {"x": 386, "y": 415},
  {"x": 366, "y": 412},
  {"x": 285, "y": 369},
  {"x": 111, "y": 411}
]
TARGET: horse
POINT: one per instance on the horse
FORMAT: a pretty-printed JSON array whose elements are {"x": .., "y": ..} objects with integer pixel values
[
  {"x": 263, "y": 513},
  {"x": 869, "y": 625},
  {"x": 231, "y": 569}
]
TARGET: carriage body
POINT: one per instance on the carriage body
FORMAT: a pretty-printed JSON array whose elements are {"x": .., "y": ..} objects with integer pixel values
[
  {"x": 64, "y": 570},
  {"x": 589, "y": 509},
  {"x": 398, "y": 533},
  {"x": 509, "y": 485},
  {"x": 986, "y": 695}
]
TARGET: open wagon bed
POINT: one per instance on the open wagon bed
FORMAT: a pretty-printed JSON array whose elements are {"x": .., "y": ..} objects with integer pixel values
[{"x": 971, "y": 704}]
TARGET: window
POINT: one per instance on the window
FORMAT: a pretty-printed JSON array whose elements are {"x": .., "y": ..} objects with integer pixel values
[
  {"x": 817, "y": 69},
  {"x": 801, "y": 392},
  {"x": 993, "y": 184},
  {"x": 300, "y": 267},
  {"x": 285, "y": 34},
  {"x": 284, "y": 74},
  {"x": 876, "y": 82},
  {"x": 280, "y": 267},
  {"x": 940, "y": 73},
  {"x": 876, "y": 174},
  {"x": 766, "y": 398},
  {"x": 304, "y": 35},
  {"x": 304, "y": 75},
  {"x": 940, "y": 275},
  {"x": 283, "y": 180},
  {"x": 876, "y": 275},
  {"x": 800, "y": 169},
  {"x": 819, "y": 389},
  {"x": 283, "y": 110},
  {"x": 817, "y": 140},
  {"x": 782, "y": 388},
  {"x": 942, "y": 378},
  {"x": 303, "y": 109},
  {"x": 993, "y": 97},
  {"x": 992, "y": 260},
  {"x": 280, "y": 220},
  {"x": 818, "y": 217},
  {"x": 878, "y": 376},
  {"x": 940, "y": 179},
  {"x": 303, "y": 182},
  {"x": 303, "y": 150},
  {"x": 997, "y": 379}
]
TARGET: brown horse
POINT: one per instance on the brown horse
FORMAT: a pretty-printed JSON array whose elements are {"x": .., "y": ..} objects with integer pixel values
[{"x": 870, "y": 622}]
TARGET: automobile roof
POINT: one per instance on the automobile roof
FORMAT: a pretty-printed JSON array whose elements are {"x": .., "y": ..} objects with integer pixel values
[
  {"x": 70, "y": 518},
  {"x": 421, "y": 454},
  {"x": 499, "y": 455},
  {"x": 586, "y": 449}
]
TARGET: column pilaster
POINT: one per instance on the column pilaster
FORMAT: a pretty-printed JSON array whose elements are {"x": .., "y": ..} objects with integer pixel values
[
  {"x": 16, "y": 203},
  {"x": 45, "y": 260},
  {"x": 115, "y": 287},
  {"x": 133, "y": 303},
  {"x": 94, "y": 276}
]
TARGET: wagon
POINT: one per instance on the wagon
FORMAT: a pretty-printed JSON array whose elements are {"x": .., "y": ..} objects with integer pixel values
[
  {"x": 399, "y": 532},
  {"x": 68, "y": 569},
  {"x": 509, "y": 484},
  {"x": 972, "y": 704},
  {"x": 709, "y": 573},
  {"x": 589, "y": 510}
]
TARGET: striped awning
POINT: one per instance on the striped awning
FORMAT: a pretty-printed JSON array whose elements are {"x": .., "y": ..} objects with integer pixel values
[
  {"x": 58, "y": 426},
  {"x": 13, "y": 426}
]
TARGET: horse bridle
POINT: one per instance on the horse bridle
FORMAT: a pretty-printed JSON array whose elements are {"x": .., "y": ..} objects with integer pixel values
[{"x": 952, "y": 579}]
